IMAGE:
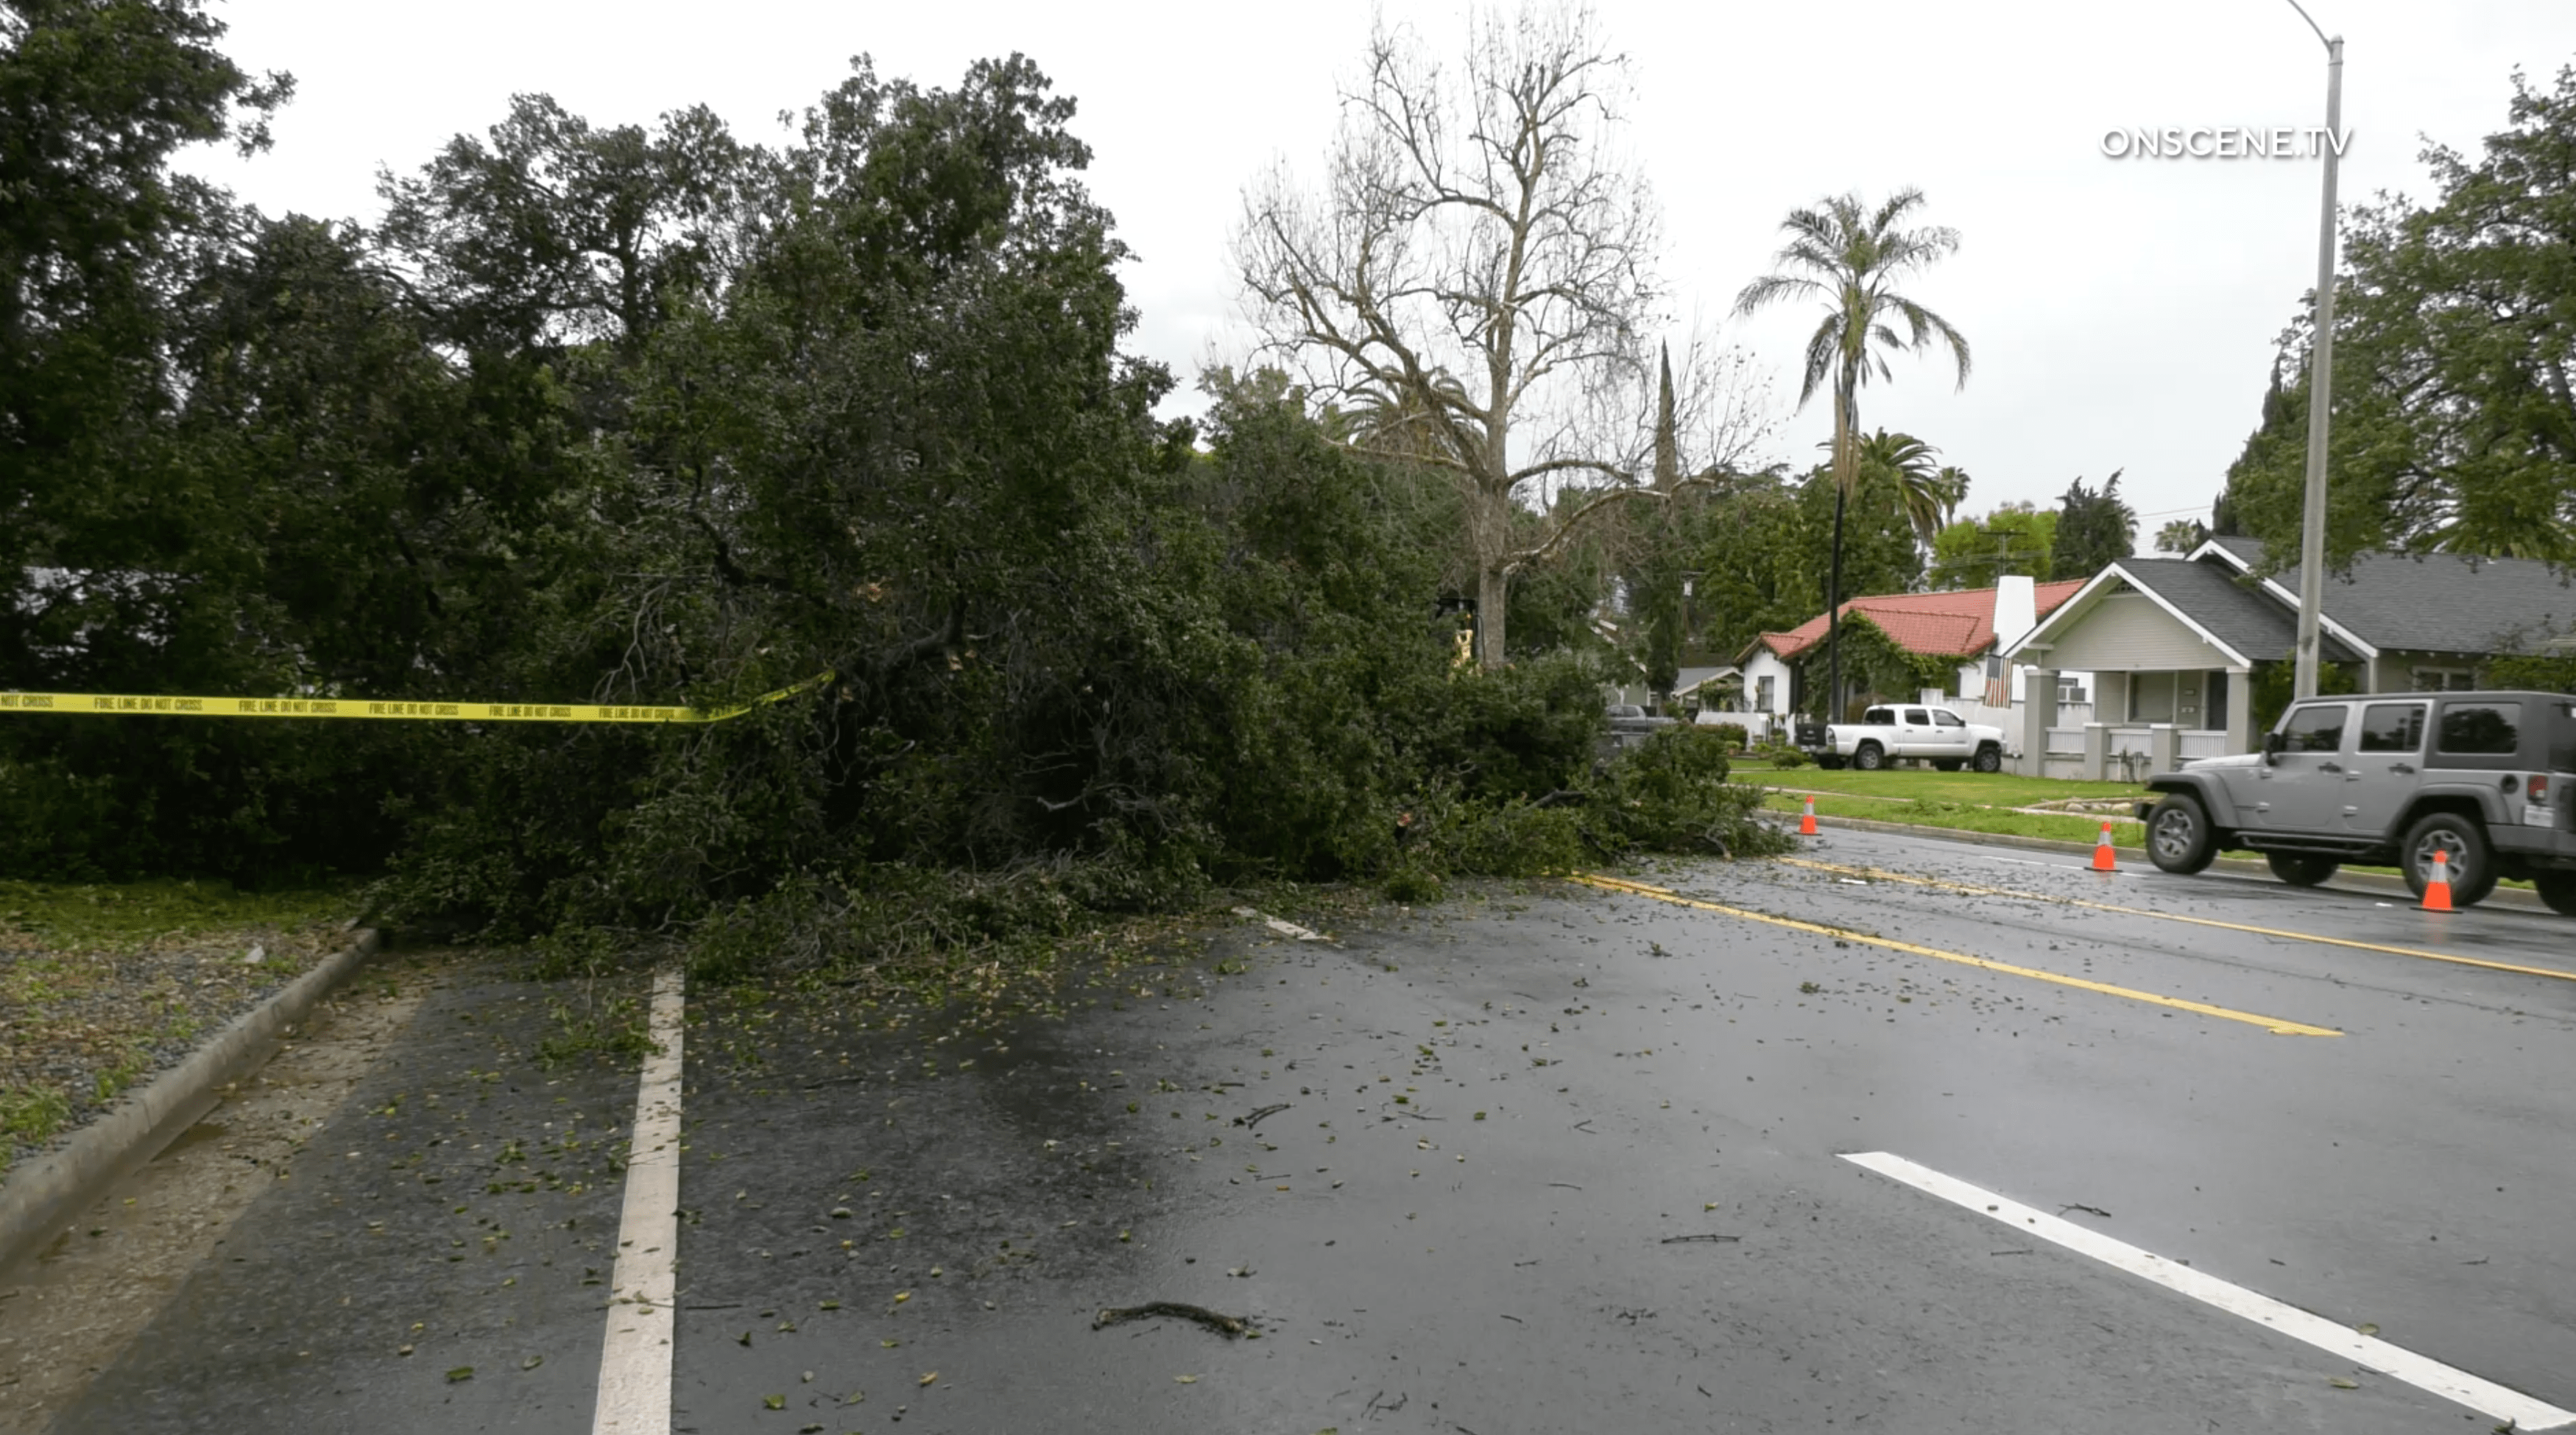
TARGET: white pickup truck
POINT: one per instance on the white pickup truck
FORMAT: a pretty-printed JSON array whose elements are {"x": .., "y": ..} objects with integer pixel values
[{"x": 1930, "y": 734}]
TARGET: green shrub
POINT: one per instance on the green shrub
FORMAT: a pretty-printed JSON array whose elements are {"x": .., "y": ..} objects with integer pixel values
[{"x": 1670, "y": 794}]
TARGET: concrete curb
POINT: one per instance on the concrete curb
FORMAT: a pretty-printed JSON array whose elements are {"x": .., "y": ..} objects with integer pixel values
[
  {"x": 41, "y": 1200},
  {"x": 2377, "y": 884}
]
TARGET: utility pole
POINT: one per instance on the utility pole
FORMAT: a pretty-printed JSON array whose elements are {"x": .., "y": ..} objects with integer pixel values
[{"x": 2312, "y": 526}]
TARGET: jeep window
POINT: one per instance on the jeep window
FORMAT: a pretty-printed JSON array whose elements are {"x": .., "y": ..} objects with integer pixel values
[
  {"x": 1943, "y": 717},
  {"x": 1916, "y": 717},
  {"x": 2318, "y": 729},
  {"x": 2392, "y": 727},
  {"x": 2481, "y": 729}
]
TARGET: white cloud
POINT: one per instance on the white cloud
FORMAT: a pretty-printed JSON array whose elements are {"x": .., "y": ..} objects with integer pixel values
[{"x": 2122, "y": 311}]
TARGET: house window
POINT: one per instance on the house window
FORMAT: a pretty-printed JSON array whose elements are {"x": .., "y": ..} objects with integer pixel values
[
  {"x": 2438, "y": 680},
  {"x": 2071, "y": 690},
  {"x": 1762, "y": 694}
]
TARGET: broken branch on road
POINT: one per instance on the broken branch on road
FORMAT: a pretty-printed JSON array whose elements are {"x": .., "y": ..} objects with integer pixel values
[{"x": 1228, "y": 1326}]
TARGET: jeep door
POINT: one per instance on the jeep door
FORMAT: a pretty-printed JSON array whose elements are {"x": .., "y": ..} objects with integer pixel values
[
  {"x": 2387, "y": 763},
  {"x": 2301, "y": 788}
]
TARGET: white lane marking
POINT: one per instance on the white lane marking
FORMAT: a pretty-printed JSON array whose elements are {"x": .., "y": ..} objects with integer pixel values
[
  {"x": 1285, "y": 929},
  {"x": 635, "y": 1363},
  {"x": 2484, "y": 1396}
]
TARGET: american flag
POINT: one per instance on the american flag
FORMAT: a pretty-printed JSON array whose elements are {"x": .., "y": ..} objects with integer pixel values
[{"x": 1998, "y": 682}]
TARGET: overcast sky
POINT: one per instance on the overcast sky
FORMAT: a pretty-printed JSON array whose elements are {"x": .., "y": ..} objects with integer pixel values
[{"x": 2123, "y": 311}]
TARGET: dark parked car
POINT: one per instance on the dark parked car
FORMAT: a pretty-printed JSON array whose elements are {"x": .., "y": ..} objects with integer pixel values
[
  {"x": 2486, "y": 779},
  {"x": 1630, "y": 726}
]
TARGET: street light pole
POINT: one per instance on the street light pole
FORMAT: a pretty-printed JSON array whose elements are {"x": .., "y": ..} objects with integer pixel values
[{"x": 2312, "y": 526}]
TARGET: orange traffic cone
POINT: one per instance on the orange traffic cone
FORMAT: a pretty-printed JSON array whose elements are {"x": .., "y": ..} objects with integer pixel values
[
  {"x": 1807, "y": 824},
  {"x": 2102, "y": 854},
  {"x": 2437, "y": 888}
]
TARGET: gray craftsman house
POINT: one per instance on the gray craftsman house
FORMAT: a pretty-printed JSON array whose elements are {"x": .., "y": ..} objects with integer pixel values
[{"x": 2179, "y": 646}]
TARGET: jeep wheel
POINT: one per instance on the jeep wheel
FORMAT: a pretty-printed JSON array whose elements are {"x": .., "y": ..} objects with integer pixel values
[
  {"x": 2299, "y": 869},
  {"x": 2558, "y": 889},
  {"x": 1869, "y": 758},
  {"x": 2463, "y": 843},
  {"x": 1947, "y": 764},
  {"x": 2178, "y": 835},
  {"x": 1830, "y": 762},
  {"x": 1989, "y": 758}
]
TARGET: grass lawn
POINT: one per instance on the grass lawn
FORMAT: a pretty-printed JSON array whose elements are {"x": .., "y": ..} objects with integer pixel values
[
  {"x": 1979, "y": 789},
  {"x": 102, "y": 984},
  {"x": 1963, "y": 817}
]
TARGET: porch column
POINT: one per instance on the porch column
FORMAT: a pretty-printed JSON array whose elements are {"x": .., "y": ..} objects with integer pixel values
[
  {"x": 2097, "y": 749},
  {"x": 2164, "y": 746},
  {"x": 2038, "y": 710},
  {"x": 2240, "y": 710}
]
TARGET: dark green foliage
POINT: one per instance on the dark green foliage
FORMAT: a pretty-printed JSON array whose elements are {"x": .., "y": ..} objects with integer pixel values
[
  {"x": 2095, "y": 528},
  {"x": 1875, "y": 667},
  {"x": 645, "y": 414},
  {"x": 2274, "y": 683},
  {"x": 2543, "y": 672},
  {"x": 1670, "y": 794},
  {"x": 2454, "y": 427}
]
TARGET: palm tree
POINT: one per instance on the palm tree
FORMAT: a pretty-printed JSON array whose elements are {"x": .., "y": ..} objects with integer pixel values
[
  {"x": 1849, "y": 257},
  {"x": 1928, "y": 495}
]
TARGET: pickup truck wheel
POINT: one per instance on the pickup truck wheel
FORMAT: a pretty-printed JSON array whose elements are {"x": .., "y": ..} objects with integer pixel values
[
  {"x": 1869, "y": 757},
  {"x": 2464, "y": 843},
  {"x": 2179, "y": 839},
  {"x": 2558, "y": 889},
  {"x": 2299, "y": 869},
  {"x": 1988, "y": 759}
]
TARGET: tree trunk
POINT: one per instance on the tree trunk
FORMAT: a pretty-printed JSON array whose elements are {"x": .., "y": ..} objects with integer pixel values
[
  {"x": 1491, "y": 591},
  {"x": 1834, "y": 619},
  {"x": 1845, "y": 435}
]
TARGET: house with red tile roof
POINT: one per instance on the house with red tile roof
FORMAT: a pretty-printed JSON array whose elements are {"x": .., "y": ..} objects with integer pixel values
[{"x": 1964, "y": 626}]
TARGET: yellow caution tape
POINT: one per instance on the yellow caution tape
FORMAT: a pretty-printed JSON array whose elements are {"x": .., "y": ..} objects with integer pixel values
[{"x": 136, "y": 705}]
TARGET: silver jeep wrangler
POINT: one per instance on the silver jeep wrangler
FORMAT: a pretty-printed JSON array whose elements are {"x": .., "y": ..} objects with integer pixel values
[{"x": 2487, "y": 779}]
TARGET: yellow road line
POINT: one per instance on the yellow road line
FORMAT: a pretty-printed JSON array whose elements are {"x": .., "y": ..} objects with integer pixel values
[
  {"x": 2361, "y": 946},
  {"x": 2274, "y": 1025}
]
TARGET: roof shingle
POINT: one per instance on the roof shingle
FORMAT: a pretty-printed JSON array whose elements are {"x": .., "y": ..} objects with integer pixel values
[
  {"x": 2440, "y": 602},
  {"x": 1957, "y": 624}
]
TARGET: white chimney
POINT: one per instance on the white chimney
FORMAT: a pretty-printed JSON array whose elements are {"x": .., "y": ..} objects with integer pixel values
[{"x": 2016, "y": 608}]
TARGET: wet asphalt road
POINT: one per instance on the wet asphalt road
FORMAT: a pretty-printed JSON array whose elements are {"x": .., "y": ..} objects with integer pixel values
[{"x": 1504, "y": 1130}]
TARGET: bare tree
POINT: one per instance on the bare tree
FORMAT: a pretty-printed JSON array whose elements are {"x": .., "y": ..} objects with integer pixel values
[{"x": 1476, "y": 279}]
